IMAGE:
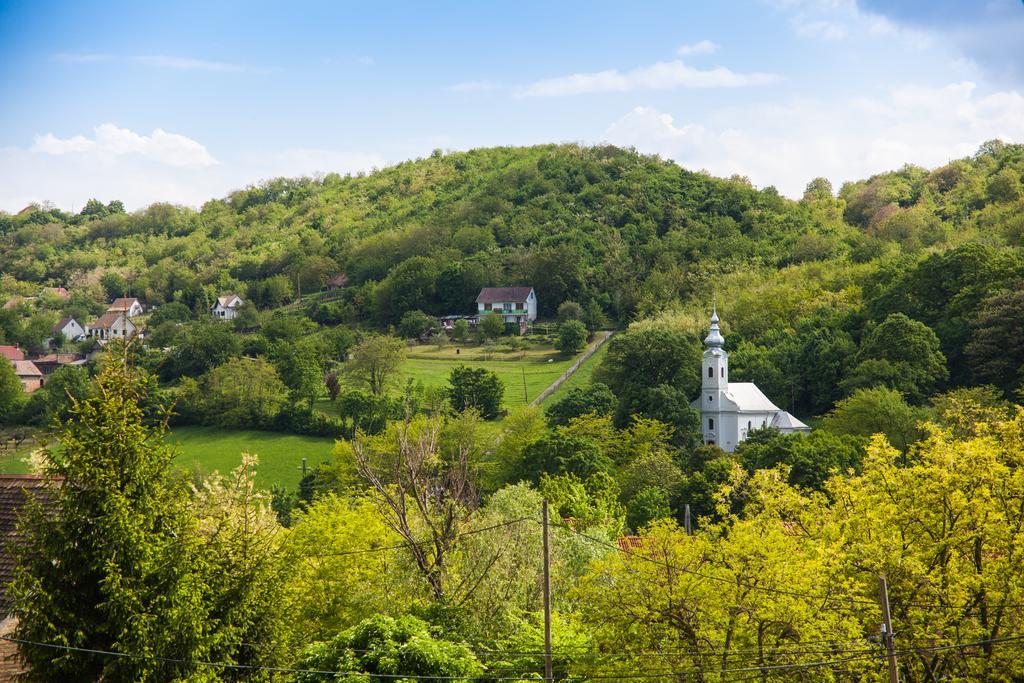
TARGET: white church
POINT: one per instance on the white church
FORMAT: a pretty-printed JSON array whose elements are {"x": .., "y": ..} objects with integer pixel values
[{"x": 731, "y": 410}]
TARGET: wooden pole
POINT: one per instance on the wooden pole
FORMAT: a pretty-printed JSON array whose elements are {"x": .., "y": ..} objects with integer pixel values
[
  {"x": 887, "y": 636},
  {"x": 526, "y": 396},
  {"x": 686, "y": 520},
  {"x": 548, "y": 669}
]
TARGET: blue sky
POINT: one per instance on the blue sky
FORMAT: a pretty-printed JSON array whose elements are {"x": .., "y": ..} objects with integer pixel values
[{"x": 185, "y": 101}]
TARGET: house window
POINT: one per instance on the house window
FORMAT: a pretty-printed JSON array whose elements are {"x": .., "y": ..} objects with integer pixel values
[
  {"x": 506, "y": 307},
  {"x": 711, "y": 423},
  {"x": 711, "y": 372}
]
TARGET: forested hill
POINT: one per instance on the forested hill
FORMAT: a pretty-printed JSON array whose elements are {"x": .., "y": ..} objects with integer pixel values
[{"x": 628, "y": 237}]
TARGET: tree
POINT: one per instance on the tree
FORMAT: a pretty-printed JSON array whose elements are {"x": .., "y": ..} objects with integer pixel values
[
  {"x": 375, "y": 362},
  {"x": 415, "y": 324},
  {"x": 491, "y": 325},
  {"x": 403, "y": 647},
  {"x": 423, "y": 482},
  {"x": 901, "y": 353},
  {"x": 56, "y": 398},
  {"x": 460, "y": 330},
  {"x": 572, "y": 336},
  {"x": 11, "y": 393},
  {"x": 119, "y": 564},
  {"x": 812, "y": 458},
  {"x": 562, "y": 452},
  {"x": 650, "y": 357},
  {"x": 876, "y": 411},
  {"x": 996, "y": 346},
  {"x": 243, "y": 392},
  {"x": 595, "y": 398},
  {"x": 569, "y": 310},
  {"x": 475, "y": 389},
  {"x": 199, "y": 346},
  {"x": 173, "y": 312},
  {"x": 301, "y": 369},
  {"x": 114, "y": 284}
]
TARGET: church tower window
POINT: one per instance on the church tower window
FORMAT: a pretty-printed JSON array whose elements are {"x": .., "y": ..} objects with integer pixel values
[
  {"x": 711, "y": 423},
  {"x": 711, "y": 371}
]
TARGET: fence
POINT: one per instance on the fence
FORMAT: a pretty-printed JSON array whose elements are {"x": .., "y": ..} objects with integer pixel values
[{"x": 572, "y": 368}]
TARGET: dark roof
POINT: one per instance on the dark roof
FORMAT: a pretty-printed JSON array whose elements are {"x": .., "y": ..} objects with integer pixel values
[
  {"x": 107, "y": 319},
  {"x": 15, "y": 489},
  {"x": 61, "y": 323},
  {"x": 497, "y": 295}
]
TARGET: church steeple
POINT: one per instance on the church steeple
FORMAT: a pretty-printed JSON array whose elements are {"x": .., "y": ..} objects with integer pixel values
[{"x": 714, "y": 338}]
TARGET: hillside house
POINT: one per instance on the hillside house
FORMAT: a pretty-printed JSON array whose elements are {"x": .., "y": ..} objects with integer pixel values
[
  {"x": 113, "y": 325},
  {"x": 337, "y": 281},
  {"x": 59, "y": 292},
  {"x": 130, "y": 306},
  {"x": 514, "y": 304},
  {"x": 70, "y": 328},
  {"x": 30, "y": 376},
  {"x": 729, "y": 411},
  {"x": 12, "y": 353},
  {"x": 226, "y": 307}
]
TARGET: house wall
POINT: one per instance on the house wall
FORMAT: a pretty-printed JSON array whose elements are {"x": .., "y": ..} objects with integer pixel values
[
  {"x": 222, "y": 313},
  {"x": 30, "y": 384}
]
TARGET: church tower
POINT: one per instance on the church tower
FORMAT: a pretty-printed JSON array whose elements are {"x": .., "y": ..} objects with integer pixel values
[{"x": 714, "y": 383}]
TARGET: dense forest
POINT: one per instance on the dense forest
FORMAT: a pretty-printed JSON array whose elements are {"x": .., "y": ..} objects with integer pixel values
[{"x": 889, "y": 313}]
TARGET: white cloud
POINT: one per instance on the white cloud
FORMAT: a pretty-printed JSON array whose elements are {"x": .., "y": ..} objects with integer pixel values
[
  {"x": 366, "y": 60},
  {"x": 787, "y": 145},
  {"x": 835, "y": 20},
  {"x": 111, "y": 140},
  {"x": 659, "y": 76},
  {"x": 703, "y": 47},
  {"x": 483, "y": 85}
]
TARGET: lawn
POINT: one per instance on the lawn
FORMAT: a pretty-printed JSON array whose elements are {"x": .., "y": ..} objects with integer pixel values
[
  {"x": 280, "y": 455},
  {"x": 538, "y": 367},
  {"x": 583, "y": 375}
]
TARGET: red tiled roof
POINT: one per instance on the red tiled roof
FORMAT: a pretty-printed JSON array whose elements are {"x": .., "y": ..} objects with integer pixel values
[
  {"x": 12, "y": 353},
  {"x": 107, "y": 319},
  {"x": 122, "y": 303},
  {"x": 26, "y": 368}
]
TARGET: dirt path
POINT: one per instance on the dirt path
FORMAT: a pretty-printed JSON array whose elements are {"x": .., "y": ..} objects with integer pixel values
[{"x": 602, "y": 337}]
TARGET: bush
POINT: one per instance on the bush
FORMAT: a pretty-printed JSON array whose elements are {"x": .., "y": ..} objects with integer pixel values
[
  {"x": 475, "y": 388},
  {"x": 572, "y": 336}
]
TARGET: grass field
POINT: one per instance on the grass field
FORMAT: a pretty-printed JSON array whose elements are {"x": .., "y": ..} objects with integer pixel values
[
  {"x": 280, "y": 455},
  {"x": 539, "y": 368},
  {"x": 211, "y": 448},
  {"x": 583, "y": 375}
]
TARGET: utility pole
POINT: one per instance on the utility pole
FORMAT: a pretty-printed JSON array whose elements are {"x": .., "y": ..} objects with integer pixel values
[
  {"x": 686, "y": 520},
  {"x": 549, "y": 674},
  {"x": 526, "y": 396},
  {"x": 887, "y": 634}
]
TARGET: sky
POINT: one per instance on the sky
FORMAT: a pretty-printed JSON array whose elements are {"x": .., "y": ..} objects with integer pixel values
[{"x": 188, "y": 100}]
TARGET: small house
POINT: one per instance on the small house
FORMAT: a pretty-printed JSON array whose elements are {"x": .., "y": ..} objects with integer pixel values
[
  {"x": 130, "y": 306},
  {"x": 337, "y": 281},
  {"x": 113, "y": 325},
  {"x": 59, "y": 292},
  {"x": 226, "y": 307},
  {"x": 515, "y": 304},
  {"x": 70, "y": 328},
  {"x": 30, "y": 376}
]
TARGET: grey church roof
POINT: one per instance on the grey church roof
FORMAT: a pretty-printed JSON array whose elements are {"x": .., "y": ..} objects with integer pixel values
[
  {"x": 749, "y": 398},
  {"x": 784, "y": 420}
]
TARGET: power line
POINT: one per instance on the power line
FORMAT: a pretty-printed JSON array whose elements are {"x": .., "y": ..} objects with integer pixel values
[
  {"x": 253, "y": 667},
  {"x": 711, "y": 577}
]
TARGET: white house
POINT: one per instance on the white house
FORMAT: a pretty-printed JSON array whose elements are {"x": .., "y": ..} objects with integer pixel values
[
  {"x": 226, "y": 307},
  {"x": 515, "y": 304},
  {"x": 113, "y": 325},
  {"x": 130, "y": 306},
  {"x": 729, "y": 411},
  {"x": 70, "y": 328}
]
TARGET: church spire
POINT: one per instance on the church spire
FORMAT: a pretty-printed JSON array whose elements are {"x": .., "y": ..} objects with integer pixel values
[{"x": 714, "y": 338}]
